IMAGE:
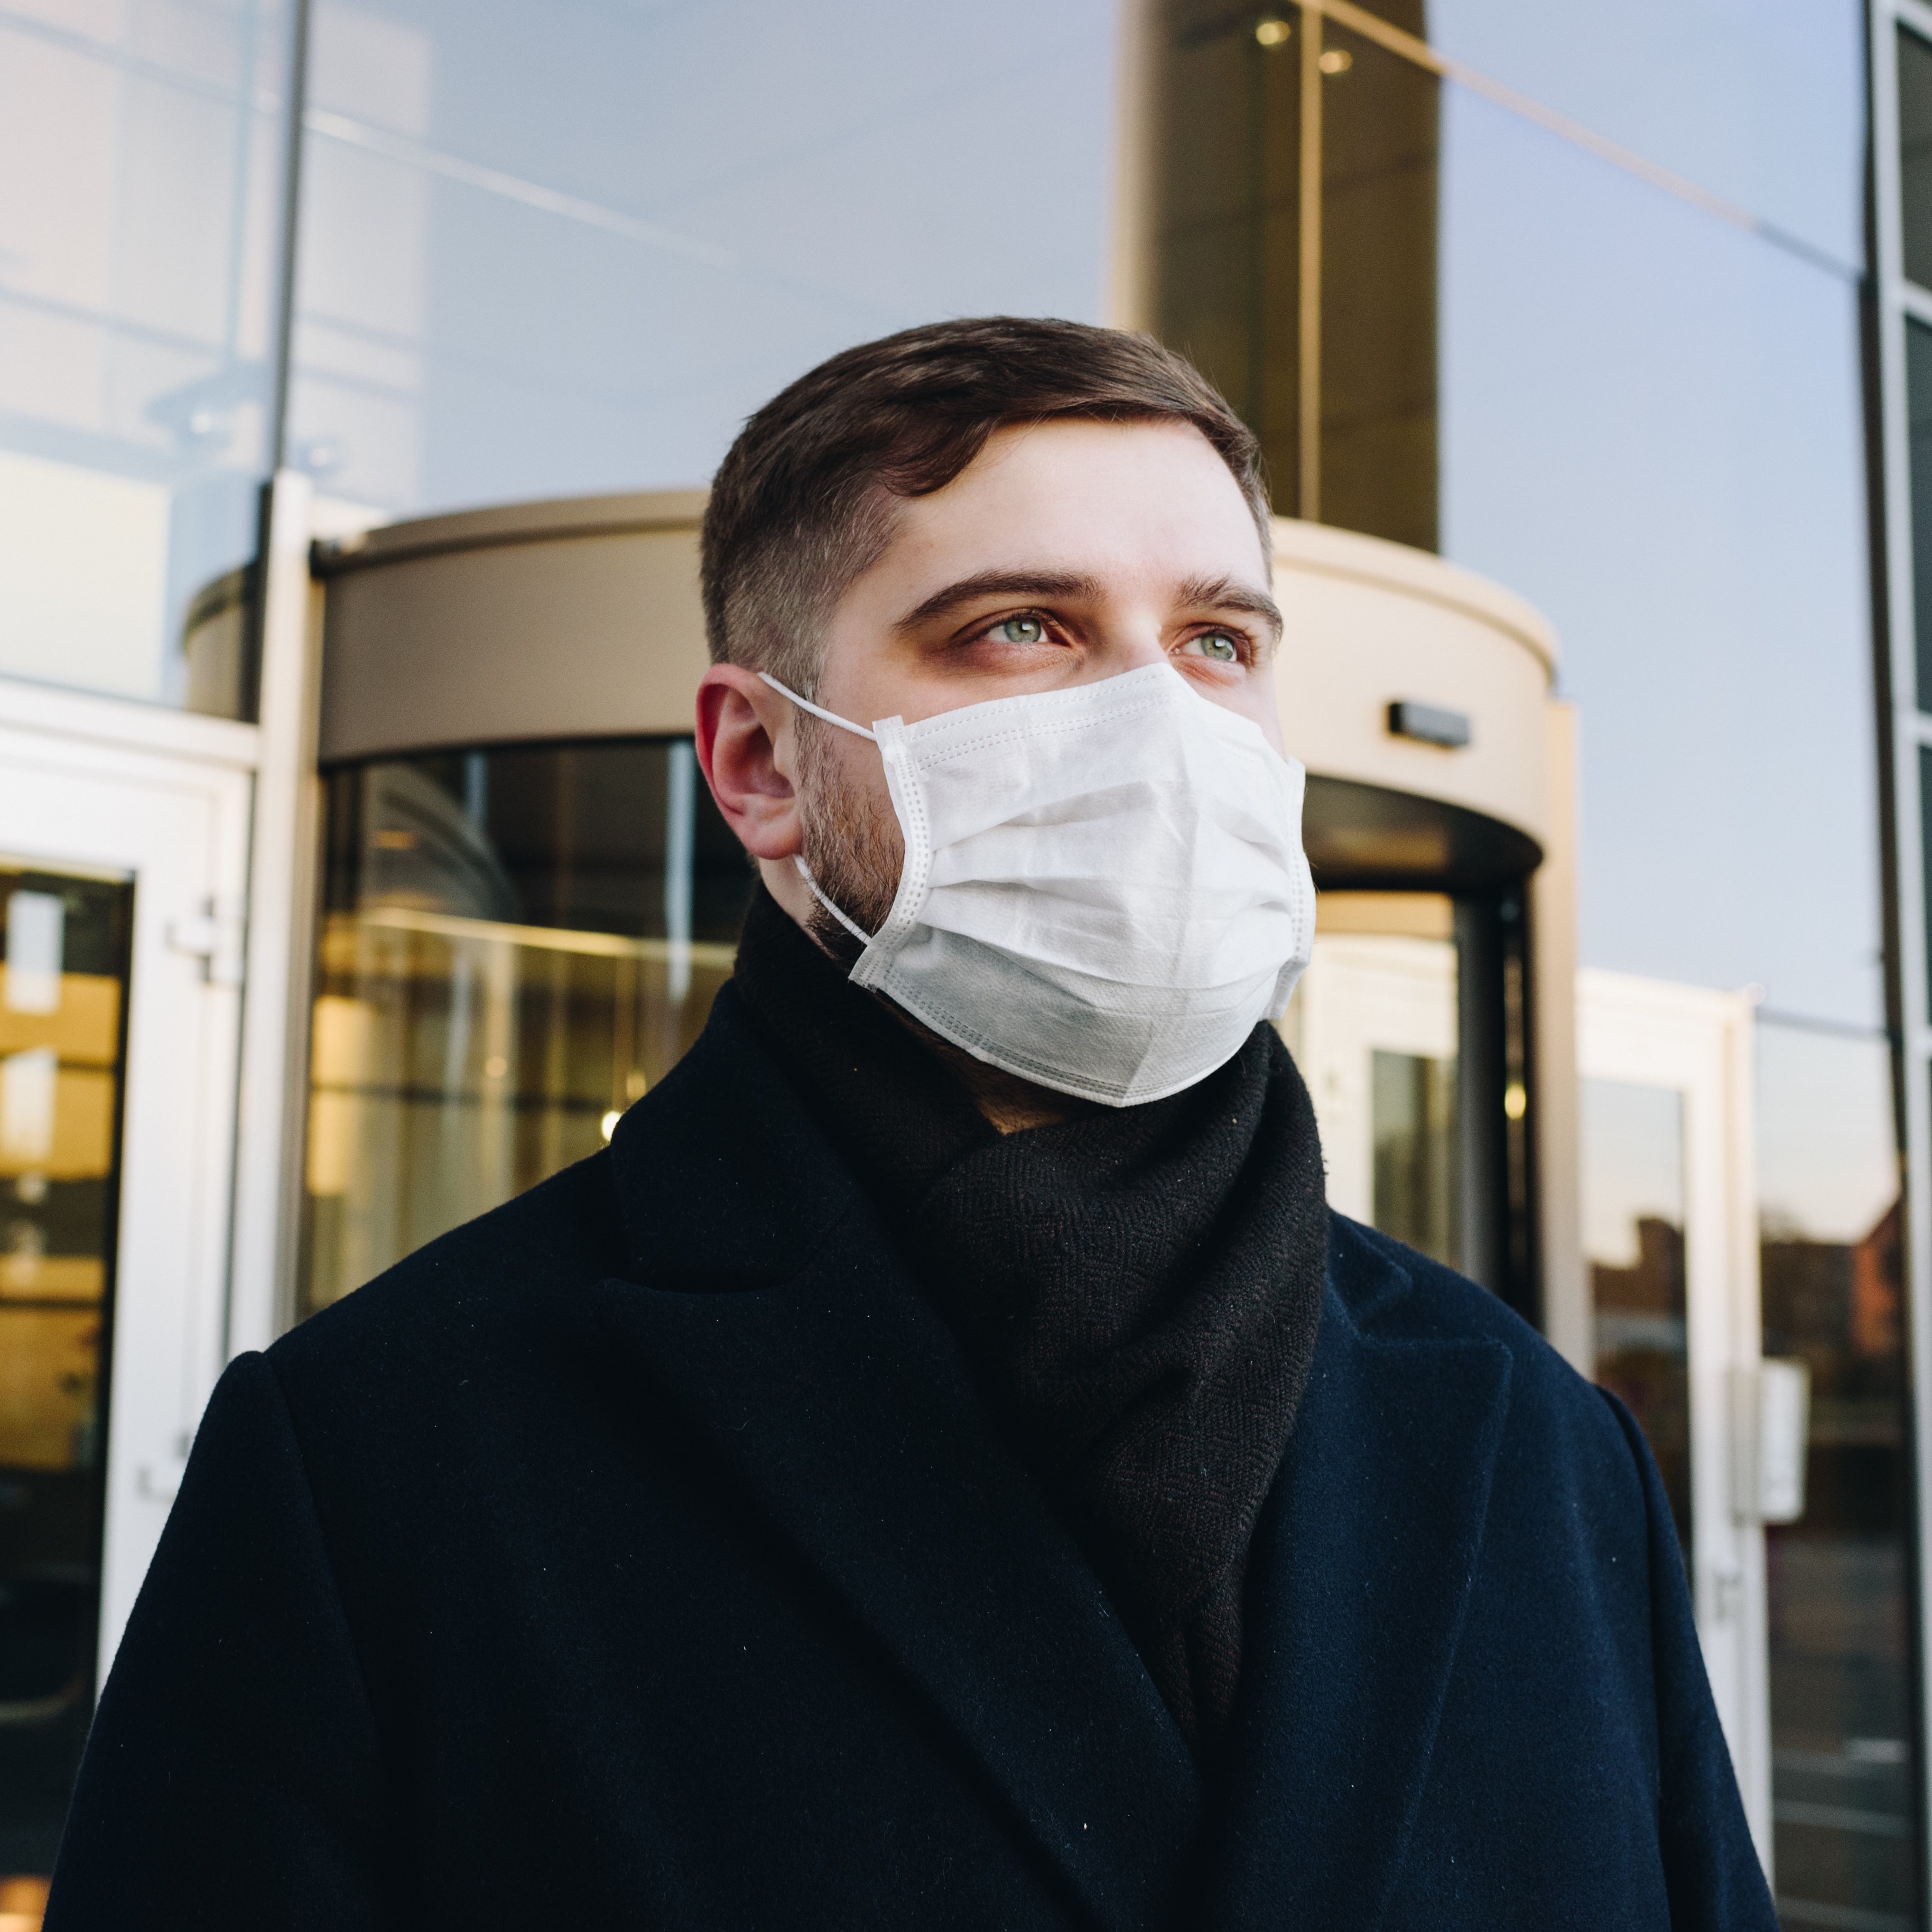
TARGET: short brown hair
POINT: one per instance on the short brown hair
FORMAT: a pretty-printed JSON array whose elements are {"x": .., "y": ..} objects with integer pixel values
[{"x": 802, "y": 504}]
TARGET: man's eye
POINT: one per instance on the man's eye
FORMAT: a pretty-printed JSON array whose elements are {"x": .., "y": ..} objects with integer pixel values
[
  {"x": 1019, "y": 631},
  {"x": 1219, "y": 646}
]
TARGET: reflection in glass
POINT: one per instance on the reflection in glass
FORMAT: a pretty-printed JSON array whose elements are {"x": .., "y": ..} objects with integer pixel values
[
  {"x": 63, "y": 993},
  {"x": 1915, "y": 155},
  {"x": 1634, "y": 1209},
  {"x": 516, "y": 946},
  {"x": 530, "y": 266},
  {"x": 142, "y": 151},
  {"x": 1413, "y": 1115},
  {"x": 1267, "y": 278},
  {"x": 1919, "y": 429},
  {"x": 1840, "y": 1678}
]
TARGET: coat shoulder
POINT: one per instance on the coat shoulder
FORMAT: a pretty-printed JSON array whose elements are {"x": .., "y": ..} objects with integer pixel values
[
  {"x": 511, "y": 1268},
  {"x": 1392, "y": 1292}
]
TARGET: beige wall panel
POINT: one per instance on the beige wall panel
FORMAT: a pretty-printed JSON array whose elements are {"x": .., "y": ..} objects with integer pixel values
[
  {"x": 454, "y": 646},
  {"x": 1369, "y": 623}
]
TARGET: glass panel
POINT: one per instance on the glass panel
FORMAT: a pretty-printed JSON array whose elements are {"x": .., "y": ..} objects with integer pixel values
[
  {"x": 1697, "y": 528},
  {"x": 1633, "y": 1160},
  {"x": 1915, "y": 155},
  {"x": 1379, "y": 222},
  {"x": 1925, "y": 829},
  {"x": 1374, "y": 1028},
  {"x": 1841, "y": 1670},
  {"x": 1231, "y": 291},
  {"x": 1412, "y": 1117},
  {"x": 141, "y": 147},
  {"x": 1226, "y": 215},
  {"x": 533, "y": 263},
  {"x": 517, "y": 945},
  {"x": 1767, "y": 110},
  {"x": 62, "y": 999},
  {"x": 1918, "y": 446}
]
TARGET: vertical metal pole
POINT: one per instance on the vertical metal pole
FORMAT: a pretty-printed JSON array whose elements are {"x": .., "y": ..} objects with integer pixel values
[
  {"x": 1308, "y": 432},
  {"x": 298, "y": 99},
  {"x": 272, "y": 1108},
  {"x": 1132, "y": 215}
]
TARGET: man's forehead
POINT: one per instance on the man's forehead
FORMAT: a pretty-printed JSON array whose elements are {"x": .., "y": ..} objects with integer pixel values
[{"x": 1149, "y": 503}]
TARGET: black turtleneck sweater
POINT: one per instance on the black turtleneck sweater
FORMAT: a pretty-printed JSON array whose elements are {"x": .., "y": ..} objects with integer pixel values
[{"x": 1138, "y": 1288}]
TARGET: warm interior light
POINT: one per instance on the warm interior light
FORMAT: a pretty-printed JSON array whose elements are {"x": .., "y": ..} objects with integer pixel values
[
  {"x": 1515, "y": 1101},
  {"x": 1337, "y": 60},
  {"x": 609, "y": 1122},
  {"x": 1271, "y": 33},
  {"x": 23, "y": 1900}
]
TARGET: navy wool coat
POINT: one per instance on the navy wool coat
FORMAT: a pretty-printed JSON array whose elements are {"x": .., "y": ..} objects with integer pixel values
[{"x": 644, "y": 1556}]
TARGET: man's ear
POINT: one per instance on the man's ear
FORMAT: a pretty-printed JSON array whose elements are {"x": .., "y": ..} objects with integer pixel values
[{"x": 748, "y": 750}]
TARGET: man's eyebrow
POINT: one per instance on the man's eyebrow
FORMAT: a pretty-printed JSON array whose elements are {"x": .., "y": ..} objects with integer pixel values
[
  {"x": 998, "y": 584},
  {"x": 1228, "y": 593}
]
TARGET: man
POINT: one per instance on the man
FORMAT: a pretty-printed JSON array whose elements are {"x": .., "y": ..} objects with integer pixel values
[{"x": 943, "y": 1466}]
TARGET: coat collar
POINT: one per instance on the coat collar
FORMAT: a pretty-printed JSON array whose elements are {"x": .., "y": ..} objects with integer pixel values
[
  {"x": 768, "y": 1307},
  {"x": 841, "y": 1401}
]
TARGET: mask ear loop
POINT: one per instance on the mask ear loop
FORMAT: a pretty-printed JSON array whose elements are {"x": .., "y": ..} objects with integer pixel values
[
  {"x": 806, "y": 704},
  {"x": 852, "y": 926}
]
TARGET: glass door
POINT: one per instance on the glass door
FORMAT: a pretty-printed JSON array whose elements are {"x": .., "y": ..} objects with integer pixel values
[
  {"x": 1670, "y": 1238},
  {"x": 121, "y": 870},
  {"x": 63, "y": 996}
]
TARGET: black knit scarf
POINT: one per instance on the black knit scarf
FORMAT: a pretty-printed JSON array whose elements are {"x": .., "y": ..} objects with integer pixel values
[{"x": 1138, "y": 1288}]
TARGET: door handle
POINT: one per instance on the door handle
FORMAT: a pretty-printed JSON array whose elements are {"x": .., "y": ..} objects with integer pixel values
[{"x": 1770, "y": 1419}]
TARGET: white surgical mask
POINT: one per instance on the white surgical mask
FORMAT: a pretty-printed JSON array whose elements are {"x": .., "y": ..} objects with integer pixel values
[{"x": 1104, "y": 887}]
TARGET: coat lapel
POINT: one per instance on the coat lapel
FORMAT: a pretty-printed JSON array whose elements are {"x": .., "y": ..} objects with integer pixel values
[
  {"x": 1360, "y": 1581},
  {"x": 769, "y": 1309}
]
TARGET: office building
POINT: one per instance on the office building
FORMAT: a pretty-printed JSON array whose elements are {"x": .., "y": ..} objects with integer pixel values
[{"x": 360, "y": 368}]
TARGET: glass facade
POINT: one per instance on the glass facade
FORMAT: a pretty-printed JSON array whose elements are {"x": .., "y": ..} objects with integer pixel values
[
  {"x": 516, "y": 944},
  {"x": 1609, "y": 289},
  {"x": 142, "y": 143},
  {"x": 1295, "y": 225},
  {"x": 550, "y": 250},
  {"x": 1832, "y": 1269},
  {"x": 1763, "y": 110},
  {"x": 539, "y": 251}
]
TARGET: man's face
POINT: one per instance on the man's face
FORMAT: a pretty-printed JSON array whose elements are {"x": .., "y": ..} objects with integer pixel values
[{"x": 1064, "y": 553}]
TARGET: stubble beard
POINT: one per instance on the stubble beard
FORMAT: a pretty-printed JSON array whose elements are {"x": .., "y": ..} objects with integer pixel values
[
  {"x": 854, "y": 848},
  {"x": 852, "y": 844}
]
